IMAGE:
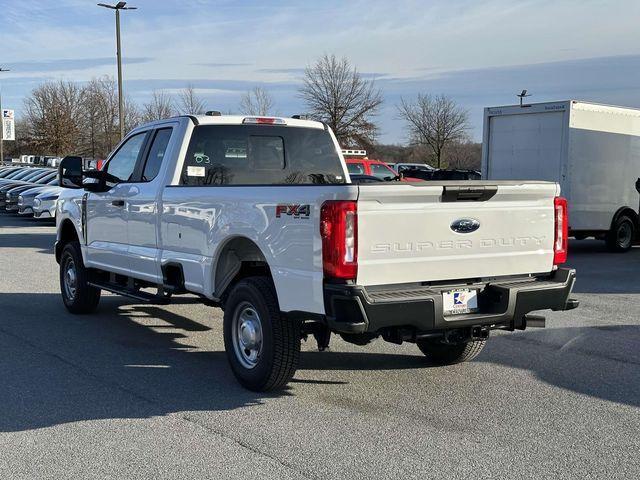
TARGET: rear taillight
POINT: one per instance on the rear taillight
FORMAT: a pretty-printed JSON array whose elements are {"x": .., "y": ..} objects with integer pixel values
[
  {"x": 339, "y": 231},
  {"x": 561, "y": 241}
]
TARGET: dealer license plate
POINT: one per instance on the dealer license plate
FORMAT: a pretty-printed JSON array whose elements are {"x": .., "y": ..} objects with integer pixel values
[{"x": 456, "y": 302}]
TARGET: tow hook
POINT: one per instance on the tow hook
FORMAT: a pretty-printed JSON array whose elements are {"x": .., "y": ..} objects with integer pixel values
[
  {"x": 479, "y": 333},
  {"x": 463, "y": 335},
  {"x": 534, "y": 321},
  {"x": 572, "y": 303}
]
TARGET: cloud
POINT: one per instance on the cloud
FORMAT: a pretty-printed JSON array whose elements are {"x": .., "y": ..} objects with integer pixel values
[
  {"x": 589, "y": 79},
  {"x": 296, "y": 71},
  {"x": 237, "y": 85},
  {"x": 300, "y": 71},
  {"x": 479, "y": 53},
  {"x": 222, "y": 65},
  {"x": 69, "y": 64}
]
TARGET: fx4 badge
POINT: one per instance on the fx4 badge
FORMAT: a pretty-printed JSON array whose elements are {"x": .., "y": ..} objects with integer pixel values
[{"x": 295, "y": 211}]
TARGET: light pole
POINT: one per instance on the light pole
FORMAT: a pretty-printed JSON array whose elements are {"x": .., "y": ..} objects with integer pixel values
[
  {"x": 117, "y": 7},
  {"x": 2, "y": 121}
]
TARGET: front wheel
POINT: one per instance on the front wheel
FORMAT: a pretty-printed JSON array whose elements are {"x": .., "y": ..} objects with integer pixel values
[
  {"x": 448, "y": 354},
  {"x": 78, "y": 296},
  {"x": 262, "y": 345},
  {"x": 620, "y": 237}
]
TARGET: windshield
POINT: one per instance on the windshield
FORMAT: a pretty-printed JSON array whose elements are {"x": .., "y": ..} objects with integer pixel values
[
  {"x": 20, "y": 174},
  {"x": 46, "y": 177},
  {"x": 7, "y": 172},
  {"x": 380, "y": 170}
]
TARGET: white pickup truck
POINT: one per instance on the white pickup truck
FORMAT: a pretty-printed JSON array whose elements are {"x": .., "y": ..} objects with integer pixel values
[{"x": 259, "y": 216}]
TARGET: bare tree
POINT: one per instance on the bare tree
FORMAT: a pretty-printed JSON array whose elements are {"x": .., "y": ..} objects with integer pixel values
[
  {"x": 189, "y": 103},
  {"x": 160, "y": 106},
  {"x": 464, "y": 155},
  {"x": 336, "y": 93},
  {"x": 65, "y": 118},
  {"x": 132, "y": 114},
  {"x": 100, "y": 117},
  {"x": 435, "y": 122},
  {"x": 256, "y": 101},
  {"x": 52, "y": 111}
]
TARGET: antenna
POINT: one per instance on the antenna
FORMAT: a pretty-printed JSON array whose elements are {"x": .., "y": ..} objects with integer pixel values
[{"x": 522, "y": 96}]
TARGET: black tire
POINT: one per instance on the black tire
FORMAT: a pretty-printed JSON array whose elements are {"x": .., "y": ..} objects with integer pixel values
[
  {"x": 267, "y": 364},
  {"x": 82, "y": 298},
  {"x": 440, "y": 353},
  {"x": 622, "y": 234}
]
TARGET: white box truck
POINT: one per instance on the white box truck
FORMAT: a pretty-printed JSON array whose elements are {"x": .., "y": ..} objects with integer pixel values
[{"x": 591, "y": 150}]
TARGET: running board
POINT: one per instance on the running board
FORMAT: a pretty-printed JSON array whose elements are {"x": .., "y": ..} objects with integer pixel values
[{"x": 135, "y": 294}]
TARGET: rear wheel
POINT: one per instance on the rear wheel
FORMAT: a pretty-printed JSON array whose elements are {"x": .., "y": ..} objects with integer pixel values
[
  {"x": 262, "y": 345},
  {"x": 78, "y": 296},
  {"x": 448, "y": 354},
  {"x": 620, "y": 237}
]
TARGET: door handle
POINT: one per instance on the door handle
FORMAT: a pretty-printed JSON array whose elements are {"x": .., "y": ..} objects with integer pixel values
[{"x": 118, "y": 203}]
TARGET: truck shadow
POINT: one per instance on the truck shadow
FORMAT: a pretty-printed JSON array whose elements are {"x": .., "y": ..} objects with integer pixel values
[
  {"x": 43, "y": 242},
  {"x": 58, "y": 368},
  {"x": 602, "y": 362},
  {"x": 13, "y": 220}
]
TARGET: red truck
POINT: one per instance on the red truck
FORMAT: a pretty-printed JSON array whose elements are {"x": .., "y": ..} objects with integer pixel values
[{"x": 359, "y": 164}]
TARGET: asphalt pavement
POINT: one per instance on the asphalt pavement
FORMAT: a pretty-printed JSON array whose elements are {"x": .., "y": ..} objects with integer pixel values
[{"x": 140, "y": 391}]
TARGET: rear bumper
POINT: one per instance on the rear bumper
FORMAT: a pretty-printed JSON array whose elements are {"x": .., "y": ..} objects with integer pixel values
[{"x": 503, "y": 303}]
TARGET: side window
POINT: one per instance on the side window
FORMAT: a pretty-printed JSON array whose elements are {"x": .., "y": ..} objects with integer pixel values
[
  {"x": 381, "y": 171},
  {"x": 156, "y": 154},
  {"x": 355, "y": 168},
  {"x": 122, "y": 164}
]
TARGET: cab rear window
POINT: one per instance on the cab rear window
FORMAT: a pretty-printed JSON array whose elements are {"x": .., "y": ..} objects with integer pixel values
[{"x": 260, "y": 155}]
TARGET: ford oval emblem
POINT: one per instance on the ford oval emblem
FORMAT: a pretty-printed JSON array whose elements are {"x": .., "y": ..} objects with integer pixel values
[{"x": 465, "y": 225}]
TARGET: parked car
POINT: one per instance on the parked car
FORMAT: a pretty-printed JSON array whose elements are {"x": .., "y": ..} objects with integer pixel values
[
  {"x": 23, "y": 178},
  {"x": 365, "y": 179},
  {"x": 280, "y": 240},
  {"x": 373, "y": 168},
  {"x": 4, "y": 171},
  {"x": 19, "y": 174},
  {"x": 456, "y": 174},
  {"x": 44, "y": 204},
  {"x": 402, "y": 167},
  {"x": 26, "y": 198},
  {"x": 359, "y": 164},
  {"x": 40, "y": 178},
  {"x": 442, "y": 174},
  {"x": 13, "y": 194}
]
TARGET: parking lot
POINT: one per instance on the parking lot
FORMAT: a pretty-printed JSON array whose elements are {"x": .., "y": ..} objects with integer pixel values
[{"x": 143, "y": 391}]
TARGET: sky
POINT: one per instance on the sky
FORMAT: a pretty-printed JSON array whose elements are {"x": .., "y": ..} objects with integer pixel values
[{"x": 480, "y": 53}]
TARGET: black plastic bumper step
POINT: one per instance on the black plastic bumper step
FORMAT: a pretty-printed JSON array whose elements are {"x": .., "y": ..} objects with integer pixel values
[{"x": 135, "y": 294}]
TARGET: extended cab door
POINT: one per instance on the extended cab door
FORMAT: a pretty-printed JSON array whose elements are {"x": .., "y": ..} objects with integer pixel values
[
  {"x": 142, "y": 206},
  {"x": 107, "y": 216}
]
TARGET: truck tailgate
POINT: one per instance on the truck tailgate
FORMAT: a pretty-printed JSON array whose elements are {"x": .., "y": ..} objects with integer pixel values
[{"x": 406, "y": 231}]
